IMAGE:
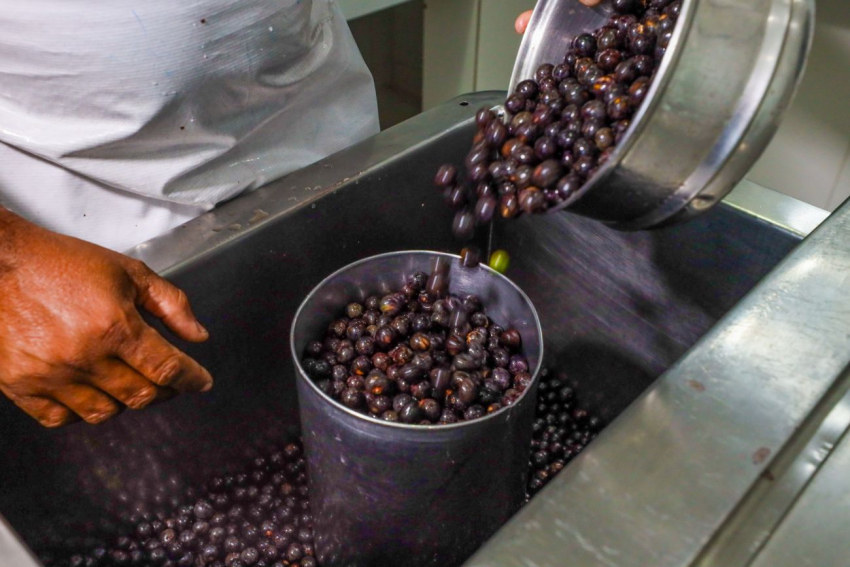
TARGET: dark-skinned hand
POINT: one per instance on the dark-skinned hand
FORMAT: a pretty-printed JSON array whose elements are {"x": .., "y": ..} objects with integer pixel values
[
  {"x": 73, "y": 344},
  {"x": 522, "y": 22}
]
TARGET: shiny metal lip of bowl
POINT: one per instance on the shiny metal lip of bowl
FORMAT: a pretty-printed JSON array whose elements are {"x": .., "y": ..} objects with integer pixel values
[{"x": 729, "y": 73}]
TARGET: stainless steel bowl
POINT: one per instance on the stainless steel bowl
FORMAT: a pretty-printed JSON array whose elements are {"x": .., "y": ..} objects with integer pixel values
[{"x": 730, "y": 72}]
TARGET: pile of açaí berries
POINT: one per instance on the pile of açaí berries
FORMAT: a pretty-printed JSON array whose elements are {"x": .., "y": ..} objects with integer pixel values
[
  {"x": 419, "y": 356},
  {"x": 257, "y": 518},
  {"x": 561, "y": 126},
  {"x": 261, "y": 516}
]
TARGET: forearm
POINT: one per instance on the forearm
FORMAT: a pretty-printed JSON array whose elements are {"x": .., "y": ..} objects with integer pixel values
[
  {"x": 6, "y": 218},
  {"x": 11, "y": 228},
  {"x": 8, "y": 226}
]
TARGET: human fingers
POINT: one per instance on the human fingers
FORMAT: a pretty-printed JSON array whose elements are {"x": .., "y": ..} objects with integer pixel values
[
  {"x": 167, "y": 302},
  {"x": 125, "y": 384},
  {"x": 160, "y": 362},
  {"x": 522, "y": 22},
  {"x": 91, "y": 404},
  {"x": 47, "y": 412}
]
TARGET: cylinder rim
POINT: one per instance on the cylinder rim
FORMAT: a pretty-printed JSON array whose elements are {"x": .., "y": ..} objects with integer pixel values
[{"x": 302, "y": 375}]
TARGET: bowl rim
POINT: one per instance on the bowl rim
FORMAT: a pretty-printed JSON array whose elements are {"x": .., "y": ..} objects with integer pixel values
[{"x": 663, "y": 75}]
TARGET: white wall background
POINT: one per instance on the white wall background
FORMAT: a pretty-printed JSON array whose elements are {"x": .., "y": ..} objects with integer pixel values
[
  {"x": 389, "y": 36},
  {"x": 810, "y": 156}
]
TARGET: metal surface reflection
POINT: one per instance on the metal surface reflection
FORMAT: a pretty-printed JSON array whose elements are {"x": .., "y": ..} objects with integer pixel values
[
  {"x": 729, "y": 73},
  {"x": 682, "y": 460}
]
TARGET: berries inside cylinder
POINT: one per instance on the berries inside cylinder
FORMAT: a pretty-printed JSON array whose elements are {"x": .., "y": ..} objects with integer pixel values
[{"x": 427, "y": 356}]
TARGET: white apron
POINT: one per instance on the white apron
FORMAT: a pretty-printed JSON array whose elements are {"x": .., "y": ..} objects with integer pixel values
[{"x": 120, "y": 119}]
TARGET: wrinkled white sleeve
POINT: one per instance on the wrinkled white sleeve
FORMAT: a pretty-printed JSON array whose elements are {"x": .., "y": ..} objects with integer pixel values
[{"x": 174, "y": 104}]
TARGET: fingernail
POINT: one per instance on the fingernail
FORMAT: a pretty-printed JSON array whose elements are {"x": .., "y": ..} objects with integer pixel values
[
  {"x": 99, "y": 417},
  {"x": 201, "y": 329},
  {"x": 208, "y": 387}
]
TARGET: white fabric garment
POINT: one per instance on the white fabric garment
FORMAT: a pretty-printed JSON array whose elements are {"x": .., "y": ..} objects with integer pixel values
[{"x": 121, "y": 119}]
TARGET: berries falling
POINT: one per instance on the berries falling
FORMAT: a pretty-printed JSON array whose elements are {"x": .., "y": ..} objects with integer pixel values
[
  {"x": 420, "y": 356},
  {"x": 563, "y": 124},
  {"x": 500, "y": 260}
]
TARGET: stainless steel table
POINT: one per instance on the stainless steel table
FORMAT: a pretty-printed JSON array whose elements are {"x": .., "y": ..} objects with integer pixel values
[{"x": 717, "y": 348}]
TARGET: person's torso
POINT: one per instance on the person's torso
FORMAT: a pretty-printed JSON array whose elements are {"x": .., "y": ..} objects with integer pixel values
[{"x": 172, "y": 104}]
